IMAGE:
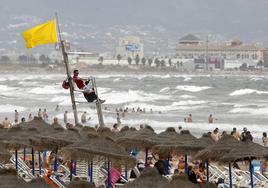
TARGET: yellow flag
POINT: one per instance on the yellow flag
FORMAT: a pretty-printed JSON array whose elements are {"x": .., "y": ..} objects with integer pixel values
[{"x": 42, "y": 34}]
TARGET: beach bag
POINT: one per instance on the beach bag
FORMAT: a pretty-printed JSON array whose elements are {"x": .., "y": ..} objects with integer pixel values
[{"x": 65, "y": 84}]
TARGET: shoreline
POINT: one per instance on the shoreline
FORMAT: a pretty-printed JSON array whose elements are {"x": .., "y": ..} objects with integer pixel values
[{"x": 96, "y": 69}]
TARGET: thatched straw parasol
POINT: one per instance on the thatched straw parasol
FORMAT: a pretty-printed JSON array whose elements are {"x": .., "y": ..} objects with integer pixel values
[
  {"x": 138, "y": 139},
  {"x": 168, "y": 136},
  {"x": 98, "y": 148},
  {"x": 206, "y": 140},
  {"x": 183, "y": 143},
  {"x": 38, "y": 182},
  {"x": 149, "y": 178},
  {"x": 245, "y": 151},
  {"x": 125, "y": 130},
  {"x": 217, "y": 150},
  {"x": 80, "y": 184},
  {"x": 4, "y": 154},
  {"x": 9, "y": 179},
  {"x": 180, "y": 181},
  {"x": 17, "y": 137},
  {"x": 57, "y": 139},
  {"x": 105, "y": 132}
]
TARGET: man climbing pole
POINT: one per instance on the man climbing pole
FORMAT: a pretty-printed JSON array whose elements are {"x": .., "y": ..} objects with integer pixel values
[{"x": 89, "y": 93}]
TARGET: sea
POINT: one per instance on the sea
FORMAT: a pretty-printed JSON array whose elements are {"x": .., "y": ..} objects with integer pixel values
[{"x": 234, "y": 100}]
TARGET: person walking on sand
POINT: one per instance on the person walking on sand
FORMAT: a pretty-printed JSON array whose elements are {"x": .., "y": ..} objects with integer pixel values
[
  {"x": 65, "y": 117},
  {"x": 6, "y": 123},
  {"x": 16, "y": 116},
  {"x": 189, "y": 119}
]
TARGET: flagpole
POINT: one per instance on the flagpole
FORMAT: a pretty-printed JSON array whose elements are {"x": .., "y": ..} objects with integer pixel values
[{"x": 70, "y": 80}]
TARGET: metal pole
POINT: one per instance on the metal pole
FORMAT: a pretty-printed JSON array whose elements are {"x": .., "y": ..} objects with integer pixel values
[
  {"x": 207, "y": 166},
  {"x": 230, "y": 175},
  {"x": 207, "y": 53},
  {"x": 75, "y": 168},
  {"x": 33, "y": 161},
  {"x": 186, "y": 164},
  {"x": 251, "y": 173},
  {"x": 167, "y": 166},
  {"x": 24, "y": 153},
  {"x": 126, "y": 175},
  {"x": 71, "y": 170},
  {"x": 108, "y": 176},
  {"x": 16, "y": 158},
  {"x": 91, "y": 171},
  {"x": 70, "y": 80},
  {"x": 55, "y": 164},
  {"x": 146, "y": 156},
  {"x": 98, "y": 104},
  {"x": 39, "y": 162}
]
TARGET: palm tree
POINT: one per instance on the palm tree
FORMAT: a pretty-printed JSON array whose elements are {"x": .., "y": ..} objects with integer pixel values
[
  {"x": 100, "y": 59},
  {"x": 170, "y": 62},
  {"x": 119, "y": 57},
  {"x": 137, "y": 59},
  {"x": 150, "y": 61},
  {"x": 129, "y": 60},
  {"x": 143, "y": 61}
]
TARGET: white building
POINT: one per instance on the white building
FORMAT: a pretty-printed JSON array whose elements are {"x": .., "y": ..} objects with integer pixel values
[{"x": 130, "y": 46}]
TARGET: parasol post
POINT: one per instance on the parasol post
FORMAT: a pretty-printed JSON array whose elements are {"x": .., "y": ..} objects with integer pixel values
[
  {"x": 186, "y": 164},
  {"x": 75, "y": 168},
  {"x": 24, "y": 153},
  {"x": 16, "y": 158},
  {"x": 146, "y": 156},
  {"x": 207, "y": 166},
  {"x": 108, "y": 176},
  {"x": 44, "y": 155},
  {"x": 71, "y": 170},
  {"x": 126, "y": 176},
  {"x": 56, "y": 164},
  {"x": 251, "y": 173},
  {"x": 167, "y": 166},
  {"x": 32, "y": 160},
  {"x": 91, "y": 171},
  {"x": 39, "y": 162},
  {"x": 230, "y": 175}
]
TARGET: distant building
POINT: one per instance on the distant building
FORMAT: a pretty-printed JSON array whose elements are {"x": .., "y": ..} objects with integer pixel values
[
  {"x": 192, "y": 47},
  {"x": 130, "y": 46}
]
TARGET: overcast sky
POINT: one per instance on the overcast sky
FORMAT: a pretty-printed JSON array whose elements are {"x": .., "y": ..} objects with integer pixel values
[{"x": 242, "y": 19}]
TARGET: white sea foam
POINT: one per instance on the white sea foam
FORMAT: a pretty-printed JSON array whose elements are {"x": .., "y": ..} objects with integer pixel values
[
  {"x": 164, "y": 90},
  {"x": 247, "y": 91},
  {"x": 186, "y": 79},
  {"x": 253, "y": 111},
  {"x": 116, "y": 97},
  {"x": 4, "y": 88},
  {"x": 48, "y": 90},
  {"x": 7, "y": 108},
  {"x": 116, "y": 80},
  {"x": 192, "y": 88},
  {"x": 187, "y": 96},
  {"x": 188, "y": 102}
]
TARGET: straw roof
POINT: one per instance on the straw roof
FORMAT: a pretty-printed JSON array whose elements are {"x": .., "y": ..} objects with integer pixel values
[
  {"x": 124, "y": 131},
  {"x": 138, "y": 139},
  {"x": 4, "y": 154},
  {"x": 105, "y": 132},
  {"x": 168, "y": 136},
  {"x": 9, "y": 179},
  {"x": 80, "y": 184},
  {"x": 98, "y": 148},
  {"x": 57, "y": 139},
  {"x": 206, "y": 140},
  {"x": 37, "y": 182},
  {"x": 17, "y": 137},
  {"x": 217, "y": 150},
  {"x": 149, "y": 178},
  {"x": 179, "y": 181},
  {"x": 246, "y": 150},
  {"x": 184, "y": 143}
]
